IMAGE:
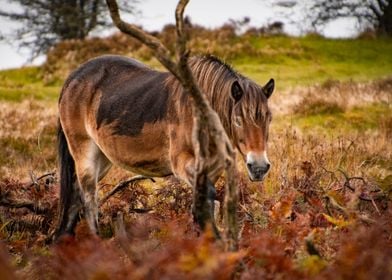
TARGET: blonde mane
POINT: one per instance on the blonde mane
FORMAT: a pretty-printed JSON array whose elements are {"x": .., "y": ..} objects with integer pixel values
[{"x": 215, "y": 79}]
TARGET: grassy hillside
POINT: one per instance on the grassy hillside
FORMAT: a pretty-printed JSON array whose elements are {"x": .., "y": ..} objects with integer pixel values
[
  {"x": 304, "y": 61},
  {"x": 291, "y": 61}
]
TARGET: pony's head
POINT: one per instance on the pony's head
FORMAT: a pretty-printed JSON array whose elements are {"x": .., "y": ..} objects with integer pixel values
[
  {"x": 242, "y": 107},
  {"x": 250, "y": 119}
]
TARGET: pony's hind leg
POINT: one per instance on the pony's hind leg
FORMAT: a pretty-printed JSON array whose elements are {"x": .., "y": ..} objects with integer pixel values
[
  {"x": 89, "y": 169},
  {"x": 87, "y": 180},
  {"x": 73, "y": 212},
  {"x": 70, "y": 202}
]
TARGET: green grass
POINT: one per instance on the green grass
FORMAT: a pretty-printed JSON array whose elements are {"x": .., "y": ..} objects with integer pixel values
[
  {"x": 309, "y": 60},
  {"x": 25, "y": 83},
  {"x": 357, "y": 119}
]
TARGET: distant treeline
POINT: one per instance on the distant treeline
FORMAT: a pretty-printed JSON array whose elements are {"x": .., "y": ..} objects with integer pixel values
[{"x": 229, "y": 42}]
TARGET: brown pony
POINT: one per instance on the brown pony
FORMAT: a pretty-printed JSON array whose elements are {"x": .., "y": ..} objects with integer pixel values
[{"x": 115, "y": 110}]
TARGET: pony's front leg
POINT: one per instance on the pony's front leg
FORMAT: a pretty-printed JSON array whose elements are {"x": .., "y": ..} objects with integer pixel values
[
  {"x": 204, "y": 192},
  {"x": 203, "y": 208}
]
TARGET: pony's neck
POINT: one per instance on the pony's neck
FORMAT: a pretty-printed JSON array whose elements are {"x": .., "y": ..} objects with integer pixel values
[{"x": 215, "y": 80}]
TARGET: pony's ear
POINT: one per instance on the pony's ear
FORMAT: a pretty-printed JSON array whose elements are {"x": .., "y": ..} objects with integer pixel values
[
  {"x": 236, "y": 91},
  {"x": 269, "y": 88}
]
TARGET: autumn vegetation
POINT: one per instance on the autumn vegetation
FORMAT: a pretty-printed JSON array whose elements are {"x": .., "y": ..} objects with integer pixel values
[{"x": 324, "y": 211}]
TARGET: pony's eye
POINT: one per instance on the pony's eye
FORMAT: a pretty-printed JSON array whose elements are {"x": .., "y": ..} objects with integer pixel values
[{"x": 238, "y": 121}]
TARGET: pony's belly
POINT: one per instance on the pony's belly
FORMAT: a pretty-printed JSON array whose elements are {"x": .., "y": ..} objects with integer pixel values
[
  {"x": 141, "y": 156},
  {"x": 148, "y": 166},
  {"x": 146, "y": 169}
]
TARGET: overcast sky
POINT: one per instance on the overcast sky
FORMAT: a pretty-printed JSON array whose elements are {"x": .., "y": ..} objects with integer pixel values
[{"x": 210, "y": 13}]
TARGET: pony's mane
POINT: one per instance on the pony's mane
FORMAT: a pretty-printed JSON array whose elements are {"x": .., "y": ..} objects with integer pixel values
[{"x": 215, "y": 78}]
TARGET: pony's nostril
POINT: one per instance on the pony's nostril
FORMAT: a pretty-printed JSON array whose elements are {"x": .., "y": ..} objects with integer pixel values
[
  {"x": 267, "y": 167},
  {"x": 264, "y": 169},
  {"x": 249, "y": 165}
]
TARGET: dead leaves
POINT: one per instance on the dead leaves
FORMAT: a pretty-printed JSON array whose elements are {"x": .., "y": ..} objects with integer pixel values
[{"x": 300, "y": 232}]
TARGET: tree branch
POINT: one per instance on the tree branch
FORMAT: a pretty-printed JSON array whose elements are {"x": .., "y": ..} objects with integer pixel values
[
  {"x": 161, "y": 52},
  {"x": 33, "y": 207},
  {"x": 361, "y": 196},
  {"x": 122, "y": 185},
  {"x": 35, "y": 181},
  {"x": 207, "y": 128}
]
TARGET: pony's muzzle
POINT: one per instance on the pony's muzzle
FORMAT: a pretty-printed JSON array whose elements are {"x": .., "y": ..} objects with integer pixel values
[
  {"x": 258, "y": 165},
  {"x": 256, "y": 171}
]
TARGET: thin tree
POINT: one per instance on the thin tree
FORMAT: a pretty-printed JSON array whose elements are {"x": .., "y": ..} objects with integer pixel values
[
  {"x": 42, "y": 23},
  {"x": 207, "y": 130},
  {"x": 374, "y": 14}
]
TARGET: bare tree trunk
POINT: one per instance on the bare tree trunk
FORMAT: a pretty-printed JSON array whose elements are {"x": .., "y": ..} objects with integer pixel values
[{"x": 207, "y": 129}]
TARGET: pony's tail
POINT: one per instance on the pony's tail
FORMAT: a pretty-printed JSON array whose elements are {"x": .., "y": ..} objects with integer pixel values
[{"x": 67, "y": 180}]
